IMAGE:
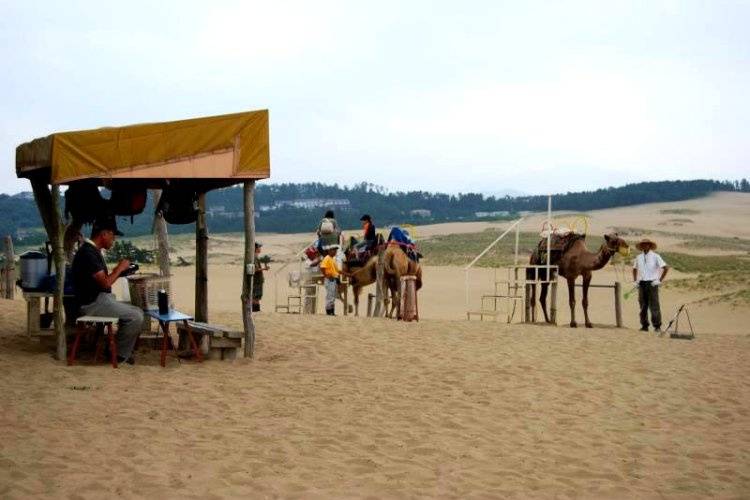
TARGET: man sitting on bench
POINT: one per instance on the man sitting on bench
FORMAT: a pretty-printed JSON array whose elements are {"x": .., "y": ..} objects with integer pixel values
[{"x": 92, "y": 285}]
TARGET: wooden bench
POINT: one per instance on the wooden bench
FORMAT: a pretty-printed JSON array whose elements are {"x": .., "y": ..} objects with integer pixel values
[{"x": 216, "y": 341}]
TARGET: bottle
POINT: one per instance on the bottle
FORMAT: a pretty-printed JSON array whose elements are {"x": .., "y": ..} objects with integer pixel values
[{"x": 163, "y": 301}]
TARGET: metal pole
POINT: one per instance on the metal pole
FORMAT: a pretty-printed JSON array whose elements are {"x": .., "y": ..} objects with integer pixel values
[{"x": 549, "y": 231}]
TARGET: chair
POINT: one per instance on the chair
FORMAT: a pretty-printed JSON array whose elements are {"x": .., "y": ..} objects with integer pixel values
[{"x": 102, "y": 324}]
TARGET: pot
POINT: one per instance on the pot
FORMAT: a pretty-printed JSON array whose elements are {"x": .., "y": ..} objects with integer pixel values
[{"x": 33, "y": 269}]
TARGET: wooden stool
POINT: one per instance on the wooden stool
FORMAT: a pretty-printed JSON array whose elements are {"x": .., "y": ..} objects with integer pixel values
[{"x": 100, "y": 322}]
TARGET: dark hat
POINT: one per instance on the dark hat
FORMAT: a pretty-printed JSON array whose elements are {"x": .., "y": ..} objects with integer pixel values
[
  {"x": 104, "y": 223},
  {"x": 366, "y": 217}
]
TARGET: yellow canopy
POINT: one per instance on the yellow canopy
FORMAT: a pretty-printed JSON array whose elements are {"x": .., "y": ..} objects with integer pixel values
[{"x": 215, "y": 147}]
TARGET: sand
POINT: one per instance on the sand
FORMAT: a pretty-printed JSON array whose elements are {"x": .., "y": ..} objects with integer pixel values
[{"x": 371, "y": 408}]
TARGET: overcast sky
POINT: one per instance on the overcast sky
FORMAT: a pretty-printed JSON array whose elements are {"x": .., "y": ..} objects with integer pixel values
[{"x": 450, "y": 96}]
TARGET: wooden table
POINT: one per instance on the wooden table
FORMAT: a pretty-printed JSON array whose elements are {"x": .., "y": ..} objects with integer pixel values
[
  {"x": 33, "y": 310},
  {"x": 164, "y": 321}
]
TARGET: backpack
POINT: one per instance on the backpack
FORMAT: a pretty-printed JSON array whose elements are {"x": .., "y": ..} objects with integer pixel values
[
  {"x": 127, "y": 200},
  {"x": 84, "y": 202},
  {"x": 327, "y": 226},
  {"x": 178, "y": 206}
]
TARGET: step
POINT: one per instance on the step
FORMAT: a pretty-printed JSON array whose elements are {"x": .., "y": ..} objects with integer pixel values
[{"x": 482, "y": 313}]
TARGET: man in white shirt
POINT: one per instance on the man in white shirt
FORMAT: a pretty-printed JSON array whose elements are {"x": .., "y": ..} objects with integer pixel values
[{"x": 649, "y": 270}]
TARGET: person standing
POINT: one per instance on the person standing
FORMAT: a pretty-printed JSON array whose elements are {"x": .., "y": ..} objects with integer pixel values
[
  {"x": 329, "y": 232},
  {"x": 330, "y": 271},
  {"x": 258, "y": 278},
  {"x": 92, "y": 286},
  {"x": 649, "y": 271}
]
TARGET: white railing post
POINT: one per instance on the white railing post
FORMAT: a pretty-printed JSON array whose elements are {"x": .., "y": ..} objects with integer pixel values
[{"x": 489, "y": 247}]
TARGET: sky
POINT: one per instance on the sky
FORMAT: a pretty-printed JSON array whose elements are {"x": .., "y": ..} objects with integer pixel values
[{"x": 480, "y": 96}]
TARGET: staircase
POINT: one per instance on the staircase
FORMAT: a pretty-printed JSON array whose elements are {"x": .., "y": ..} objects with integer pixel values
[{"x": 509, "y": 292}]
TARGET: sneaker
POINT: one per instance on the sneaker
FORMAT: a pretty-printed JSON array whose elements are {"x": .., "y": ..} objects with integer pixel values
[
  {"x": 130, "y": 360},
  {"x": 644, "y": 329},
  {"x": 657, "y": 330}
]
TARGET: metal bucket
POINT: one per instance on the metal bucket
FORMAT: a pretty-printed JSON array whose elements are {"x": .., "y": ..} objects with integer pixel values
[{"x": 33, "y": 269}]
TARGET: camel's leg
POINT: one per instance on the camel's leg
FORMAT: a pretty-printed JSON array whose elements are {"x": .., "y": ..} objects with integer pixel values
[
  {"x": 543, "y": 301},
  {"x": 386, "y": 299},
  {"x": 585, "y": 300},
  {"x": 356, "y": 291},
  {"x": 395, "y": 304},
  {"x": 532, "y": 302},
  {"x": 572, "y": 301}
]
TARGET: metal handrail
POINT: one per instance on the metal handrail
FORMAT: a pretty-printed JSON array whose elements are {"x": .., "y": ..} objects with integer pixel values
[
  {"x": 492, "y": 244},
  {"x": 489, "y": 247}
]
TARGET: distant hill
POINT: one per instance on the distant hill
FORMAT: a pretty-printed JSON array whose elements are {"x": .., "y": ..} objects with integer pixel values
[{"x": 288, "y": 208}]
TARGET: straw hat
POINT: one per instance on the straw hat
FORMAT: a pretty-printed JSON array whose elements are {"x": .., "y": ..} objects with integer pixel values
[{"x": 644, "y": 242}]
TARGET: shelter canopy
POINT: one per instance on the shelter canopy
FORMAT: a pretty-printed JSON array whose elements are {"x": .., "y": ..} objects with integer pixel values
[{"x": 234, "y": 146}]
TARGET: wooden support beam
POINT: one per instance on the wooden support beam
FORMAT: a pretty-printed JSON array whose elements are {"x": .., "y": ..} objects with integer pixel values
[
  {"x": 201, "y": 262},
  {"x": 618, "y": 304},
  {"x": 48, "y": 203},
  {"x": 72, "y": 232},
  {"x": 10, "y": 266},
  {"x": 380, "y": 288},
  {"x": 162, "y": 237},
  {"x": 43, "y": 199},
  {"x": 249, "y": 269},
  {"x": 58, "y": 256}
]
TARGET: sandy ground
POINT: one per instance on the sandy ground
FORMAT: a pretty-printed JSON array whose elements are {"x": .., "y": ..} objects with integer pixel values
[{"x": 371, "y": 408}]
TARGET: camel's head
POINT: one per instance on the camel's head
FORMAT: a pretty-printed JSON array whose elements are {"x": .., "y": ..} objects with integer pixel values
[{"x": 617, "y": 244}]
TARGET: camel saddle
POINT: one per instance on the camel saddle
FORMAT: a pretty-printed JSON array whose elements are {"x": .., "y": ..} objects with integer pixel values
[{"x": 559, "y": 244}]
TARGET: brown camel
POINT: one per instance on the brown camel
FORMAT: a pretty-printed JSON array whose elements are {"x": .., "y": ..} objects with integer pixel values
[
  {"x": 360, "y": 277},
  {"x": 397, "y": 264},
  {"x": 575, "y": 260}
]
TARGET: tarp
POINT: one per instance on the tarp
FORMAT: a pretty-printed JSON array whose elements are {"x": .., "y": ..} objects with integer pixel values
[{"x": 219, "y": 147}]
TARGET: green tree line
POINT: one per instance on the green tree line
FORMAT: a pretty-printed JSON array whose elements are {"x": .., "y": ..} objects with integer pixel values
[{"x": 21, "y": 218}]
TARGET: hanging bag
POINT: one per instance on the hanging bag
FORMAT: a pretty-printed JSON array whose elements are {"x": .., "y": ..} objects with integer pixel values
[
  {"x": 84, "y": 202},
  {"x": 178, "y": 205}
]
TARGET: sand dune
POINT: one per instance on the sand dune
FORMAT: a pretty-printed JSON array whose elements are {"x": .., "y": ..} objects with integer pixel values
[
  {"x": 336, "y": 407},
  {"x": 371, "y": 408}
]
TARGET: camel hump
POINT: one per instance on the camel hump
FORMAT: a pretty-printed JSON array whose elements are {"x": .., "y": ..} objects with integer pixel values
[{"x": 560, "y": 242}]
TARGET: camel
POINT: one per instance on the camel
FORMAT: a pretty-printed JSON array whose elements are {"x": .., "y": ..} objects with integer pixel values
[
  {"x": 360, "y": 277},
  {"x": 575, "y": 261},
  {"x": 397, "y": 264}
]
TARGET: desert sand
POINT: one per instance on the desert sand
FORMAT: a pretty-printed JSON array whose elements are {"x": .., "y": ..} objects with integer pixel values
[{"x": 350, "y": 407}]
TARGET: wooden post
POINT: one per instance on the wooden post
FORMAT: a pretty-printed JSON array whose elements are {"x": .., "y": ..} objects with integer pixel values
[
  {"x": 370, "y": 298},
  {"x": 10, "y": 286},
  {"x": 48, "y": 203},
  {"x": 43, "y": 199},
  {"x": 618, "y": 304},
  {"x": 553, "y": 301},
  {"x": 72, "y": 232},
  {"x": 59, "y": 258},
  {"x": 201, "y": 262},
  {"x": 162, "y": 237},
  {"x": 249, "y": 269},
  {"x": 380, "y": 290},
  {"x": 527, "y": 304}
]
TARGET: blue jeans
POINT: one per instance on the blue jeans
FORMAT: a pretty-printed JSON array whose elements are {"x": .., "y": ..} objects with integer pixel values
[{"x": 129, "y": 326}]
